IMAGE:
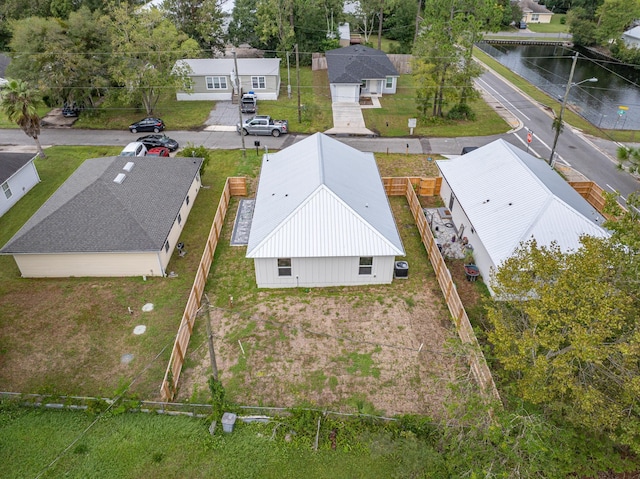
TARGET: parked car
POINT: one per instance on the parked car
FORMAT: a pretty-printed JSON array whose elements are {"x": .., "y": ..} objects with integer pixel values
[
  {"x": 134, "y": 148},
  {"x": 147, "y": 124},
  {"x": 158, "y": 151},
  {"x": 263, "y": 125},
  {"x": 468, "y": 149},
  {"x": 521, "y": 25},
  {"x": 70, "y": 110},
  {"x": 151, "y": 141}
]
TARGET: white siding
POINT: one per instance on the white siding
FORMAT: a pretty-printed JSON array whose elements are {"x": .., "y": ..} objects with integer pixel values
[
  {"x": 318, "y": 272},
  {"x": 392, "y": 90},
  {"x": 221, "y": 96},
  {"x": 87, "y": 264},
  {"x": 20, "y": 183},
  {"x": 345, "y": 93}
]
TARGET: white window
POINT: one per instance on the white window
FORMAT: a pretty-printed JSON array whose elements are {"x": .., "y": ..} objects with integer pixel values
[
  {"x": 366, "y": 265},
  {"x": 389, "y": 82},
  {"x": 216, "y": 83},
  {"x": 284, "y": 266},
  {"x": 535, "y": 17},
  {"x": 258, "y": 83},
  {"x": 7, "y": 190},
  {"x": 166, "y": 246},
  {"x": 179, "y": 218}
]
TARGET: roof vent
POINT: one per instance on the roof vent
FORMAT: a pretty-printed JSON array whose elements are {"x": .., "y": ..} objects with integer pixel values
[
  {"x": 128, "y": 166},
  {"x": 120, "y": 178}
]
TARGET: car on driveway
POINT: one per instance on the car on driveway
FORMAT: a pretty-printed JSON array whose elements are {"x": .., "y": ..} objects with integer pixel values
[
  {"x": 151, "y": 141},
  {"x": 158, "y": 151},
  {"x": 147, "y": 124},
  {"x": 135, "y": 148}
]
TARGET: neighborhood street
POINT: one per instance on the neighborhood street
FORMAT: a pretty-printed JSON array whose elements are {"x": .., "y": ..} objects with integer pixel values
[{"x": 592, "y": 157}]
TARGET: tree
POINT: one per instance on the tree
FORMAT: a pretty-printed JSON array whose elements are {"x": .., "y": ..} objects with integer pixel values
[
  {"x": 19, "y": 103},
  {"x": 399, "y": 24},
  {"x": 565, "y": 329},
  {"x": 200, "y": 19},
  {"x": 243, "y": 24},
  {"x": 614, "y": 16},
  {"x": 445, "y": 45},
  {"x": 145, "y": 50},
  {"x": 276, "y": 22}
]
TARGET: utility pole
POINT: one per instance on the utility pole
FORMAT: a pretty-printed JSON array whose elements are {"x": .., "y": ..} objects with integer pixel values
[
  {"x": 298, "y": 71},
  {"x": 564, "y": 102},
  {"x": 288, "y": 78},
  {"x": 212, "y": 353},
  {"x": 235, "y": 62}
]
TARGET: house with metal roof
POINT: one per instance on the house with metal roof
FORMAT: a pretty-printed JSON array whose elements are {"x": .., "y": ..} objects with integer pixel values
[
  {"x": 215, "y": 78},
  {"x": 499, "y": 196},
  {"x": 358, "y": 70},
  {"x": 114, "y": 216},
  {"x": 631, "y": 37},
  {"x": 18, "y": 174},
  {"x": 322, "y": 218}
]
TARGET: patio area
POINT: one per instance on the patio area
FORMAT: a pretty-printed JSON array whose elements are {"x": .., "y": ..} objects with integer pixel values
[{"x": 450, "y": 240}]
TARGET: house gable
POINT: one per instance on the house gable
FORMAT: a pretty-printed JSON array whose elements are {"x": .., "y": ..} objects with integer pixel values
[{"x": 320, "y": 197}]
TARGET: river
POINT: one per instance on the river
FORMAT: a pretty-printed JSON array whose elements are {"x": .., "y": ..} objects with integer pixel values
[{"x": 613, "y": 102}]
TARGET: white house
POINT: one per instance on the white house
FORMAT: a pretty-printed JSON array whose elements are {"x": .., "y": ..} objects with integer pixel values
[
  {"x": 500, "y": 196},
  {"x": 358, "y": 70},
  {"x": 115, "y": 216},
  {"x": 18, "y": 174},
  {"x": 215, "y": 78},
  {"x": 322, "y": 218},
  {"x": 631, "y": 37},
  {"x": 534, "y": 12}
]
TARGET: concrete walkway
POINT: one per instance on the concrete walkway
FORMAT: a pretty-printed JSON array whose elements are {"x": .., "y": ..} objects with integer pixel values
[{"x": 348, "y": 120}]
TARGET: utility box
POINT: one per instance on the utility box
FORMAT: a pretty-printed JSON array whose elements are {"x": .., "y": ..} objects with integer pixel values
[
  {"x": 228, "y": 421},
  {"x": 401, "y": 270}
]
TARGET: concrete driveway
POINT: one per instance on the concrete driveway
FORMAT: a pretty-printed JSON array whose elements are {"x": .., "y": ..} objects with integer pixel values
[
  {"x": 224, "y": 117},
  {"x": 348, "y": 120}
]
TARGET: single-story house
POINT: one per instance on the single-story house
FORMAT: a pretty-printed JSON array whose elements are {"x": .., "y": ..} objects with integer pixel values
[
  {"x": 215, "y": 78},
  {"x": 499, "y": 196},
  {"x": 631, "y": 37},
  {"x": 533, "y": 12},
  {"x": 358, "y": 70},
  {"x": 114, "y": 216},
  {"x": 322, "y": 218},
  {"x": 18, "y": 174}
]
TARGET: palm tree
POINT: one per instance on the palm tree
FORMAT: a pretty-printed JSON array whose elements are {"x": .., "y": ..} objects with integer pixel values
[{"x": 19, "y": 104}]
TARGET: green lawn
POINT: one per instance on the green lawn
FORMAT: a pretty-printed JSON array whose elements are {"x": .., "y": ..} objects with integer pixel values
[{"x": 556, "y": 25}]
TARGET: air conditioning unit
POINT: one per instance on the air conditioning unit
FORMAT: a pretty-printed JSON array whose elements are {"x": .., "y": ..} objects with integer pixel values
[{"x": 401, "y": 270}]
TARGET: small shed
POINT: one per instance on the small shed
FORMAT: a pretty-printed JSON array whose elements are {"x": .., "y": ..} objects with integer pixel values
[
  {"x": 18, "y": 174},
  {"x": 499, "y": 196},
  {"x": 322, "y": 218},
  {"x": 358, "y": 70},
  {"x": 115, "y": 216},
  {"x": 215, "y": 78}
]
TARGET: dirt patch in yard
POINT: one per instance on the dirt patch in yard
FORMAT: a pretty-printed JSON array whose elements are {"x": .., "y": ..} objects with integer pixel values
[{"x": 344, "y": 352}]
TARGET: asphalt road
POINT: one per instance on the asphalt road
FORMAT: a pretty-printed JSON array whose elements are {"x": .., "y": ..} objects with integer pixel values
[{"x": 592, "y": 157}]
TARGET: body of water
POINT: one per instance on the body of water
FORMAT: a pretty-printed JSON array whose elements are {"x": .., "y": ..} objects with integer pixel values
[{"x": 613, "y": 102}]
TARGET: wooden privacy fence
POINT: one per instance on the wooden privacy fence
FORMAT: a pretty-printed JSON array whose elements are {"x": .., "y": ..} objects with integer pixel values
[
  {"x": 591, "y": 192},
  {"x": 422, "y": 186},
  {"x": 478, "y": 364},
  {"x": 232, "y": 187}
]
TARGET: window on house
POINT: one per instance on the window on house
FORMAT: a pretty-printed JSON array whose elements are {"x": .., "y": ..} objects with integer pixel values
[
  {"x": 535, "y": 17},
  {"x": 179, "y": 218},
  {"x": 389, "y": 82},
  {"x": 166, "y": 246},
  {"x": 284, "y": 266},
  {"x": 366, "y": 265},
  {"x": 216, "y": 83},
  {"x": 258, "y": 83},
  {"x": 6, "y": 190},
  {"x": 187, "y": 200}
]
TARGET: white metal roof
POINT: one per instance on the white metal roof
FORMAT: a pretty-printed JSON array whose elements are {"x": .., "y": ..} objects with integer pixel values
[
  {"x": 510, "y": 196},
  {"x": 224, "y": 66},
  {"x": 321, "y": 198},
  {"x": 633, "y": 33}
]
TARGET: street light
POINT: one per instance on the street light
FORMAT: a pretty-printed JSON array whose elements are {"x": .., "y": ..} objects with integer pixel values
[{"x": 564, "y": 102}]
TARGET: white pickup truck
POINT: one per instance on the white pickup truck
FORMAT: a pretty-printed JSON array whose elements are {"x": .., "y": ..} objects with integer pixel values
[{"x": 263, "y": 125}]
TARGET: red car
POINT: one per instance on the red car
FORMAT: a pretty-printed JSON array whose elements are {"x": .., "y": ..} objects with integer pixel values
[{"x": 158, "y": 151}]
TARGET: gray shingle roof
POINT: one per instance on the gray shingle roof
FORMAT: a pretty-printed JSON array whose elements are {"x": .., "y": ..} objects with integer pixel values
[
  {"x": 356, "y": 63},
  {"x": 92, "y": 213},
  {"x": 533, "y": 6},
  {"x": 12, "y": 162}
]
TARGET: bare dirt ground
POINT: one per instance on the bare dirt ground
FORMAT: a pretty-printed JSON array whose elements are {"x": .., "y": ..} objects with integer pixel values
[{"x": 334, "y": 352}]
